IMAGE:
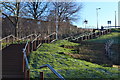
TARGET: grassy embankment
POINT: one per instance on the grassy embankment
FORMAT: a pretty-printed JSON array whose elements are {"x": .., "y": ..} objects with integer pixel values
[
  {"x": 114, "y": 35},
  {"x": 98, "y": 45},
  {"x": 70, "y": 68}
]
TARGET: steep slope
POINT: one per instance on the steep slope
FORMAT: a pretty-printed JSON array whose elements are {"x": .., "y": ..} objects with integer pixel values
[{"x": 67, "y": 66}]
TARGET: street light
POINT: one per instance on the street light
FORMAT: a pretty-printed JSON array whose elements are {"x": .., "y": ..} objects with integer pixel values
[
  {"x": 86, "y": 21},
  {"x": 97, "y": 15},
  {"x": 56, "y": 22}
]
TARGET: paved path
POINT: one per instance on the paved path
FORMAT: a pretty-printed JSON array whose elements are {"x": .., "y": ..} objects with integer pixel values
[{"x": 12, "y": 61}]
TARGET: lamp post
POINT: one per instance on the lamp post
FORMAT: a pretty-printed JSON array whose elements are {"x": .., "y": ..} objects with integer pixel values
[
  {"x": 115, "y": 19},
  {"x": 85, "y": 22},
  {"x": 97, "y": 15},
  {"x": 56, "y": 22}
]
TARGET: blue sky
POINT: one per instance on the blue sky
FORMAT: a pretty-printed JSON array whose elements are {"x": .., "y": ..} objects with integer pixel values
[
  {"x": 88, "y": 12},
  {"x": 106, "y": 13}
]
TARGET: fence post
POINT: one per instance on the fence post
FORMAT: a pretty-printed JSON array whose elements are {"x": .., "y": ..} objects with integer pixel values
[
  {"x": 45, "y": 40},
  {"x": 28, "y": 50},
  {"x": 38, "y": 41},
  {"x": 31, "y": 46},
  {"x": 23, "y": 65},
  {"x": 104, "y": 32},
  {"x": 35, "y": 44},
  {"x": 28, "y": 74},
  {"x": 6, "y": 41},
  {"x": 30, "y": 38},
  {"x": 90, "y": 36},
  {"x": 41, "y": 76},
  {"x": 49, "y": 40}
]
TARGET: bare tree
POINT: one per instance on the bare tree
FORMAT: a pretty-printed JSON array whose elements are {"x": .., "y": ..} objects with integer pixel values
[
  {"x": 36, "y": 10},
  {"x": 12, "y": 9},
  {"x": 65, "y": 11}
]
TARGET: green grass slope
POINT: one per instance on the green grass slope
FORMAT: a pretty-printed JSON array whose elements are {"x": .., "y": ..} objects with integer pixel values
[
  {"x": 67, "y": 66},
  {"x": 102, "y": 39}
]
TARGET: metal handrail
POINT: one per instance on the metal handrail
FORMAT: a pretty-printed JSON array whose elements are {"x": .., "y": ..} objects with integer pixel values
[
  {"x": 36, "y": 38},
  {"x": 8, "y": 37},
  {"x": 28, "y": 36},
  {"x": 86, "y": 34},
  {"x": 25, "y": 56},
  {"x": 53, "y": 40},
  {"x": 49, "y": 35},
  {"x": 16, "y": 37},
  {"x": 54, "y": 71}
]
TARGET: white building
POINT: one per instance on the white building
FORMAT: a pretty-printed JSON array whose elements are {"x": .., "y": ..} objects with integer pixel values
[{"x": 119, "y": 13}]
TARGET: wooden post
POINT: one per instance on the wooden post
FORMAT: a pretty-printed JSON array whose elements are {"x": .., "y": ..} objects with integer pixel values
[
  {"x": 52, "y": 38},
  {"x": 31, "y": 46},
  {"x": 82, "y": 38},
  {"x": 101, "y": 33},
  {"x": 90, "y": 36},
  {"x": 35, "y": 45},
  {"x": 30, "y": 38},
  {"x": 28, "y": 74},
  {"x": 28, "y": 48},
  {"x": 96, "y": 35},
  {"x": 104, "y": 32},
  {"x": 49, "y": 40},
  {"x": 40, "y": 40},
  {"x": 45, "y": 40},
  {"x": 41, "y": 76},
  {"x": 85, "y": 37},
  {"x": 23, "y": 65},
  {"x": 7, "y": 41},
  {"x": 37, "y": 41}
]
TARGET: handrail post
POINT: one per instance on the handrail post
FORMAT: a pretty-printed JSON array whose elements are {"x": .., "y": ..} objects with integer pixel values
[
  {"x": 28, "y": 48},
  {"x": 33, "y": 45},
  {"x": 37, "y": 41},
  {"x": 28, "y": 74},
  {"x": 41, "y": 76},
  {"x": 23, "y": 65}
]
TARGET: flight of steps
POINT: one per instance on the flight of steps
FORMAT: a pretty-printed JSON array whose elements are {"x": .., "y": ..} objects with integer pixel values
[{"x": 12, "y": 60}]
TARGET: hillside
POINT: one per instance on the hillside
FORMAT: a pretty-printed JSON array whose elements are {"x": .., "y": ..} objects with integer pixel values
[
  {"x": 114, "y": 35},
  {"x": 100, "y": 42},
  {"x": 70, "y": 68}
]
